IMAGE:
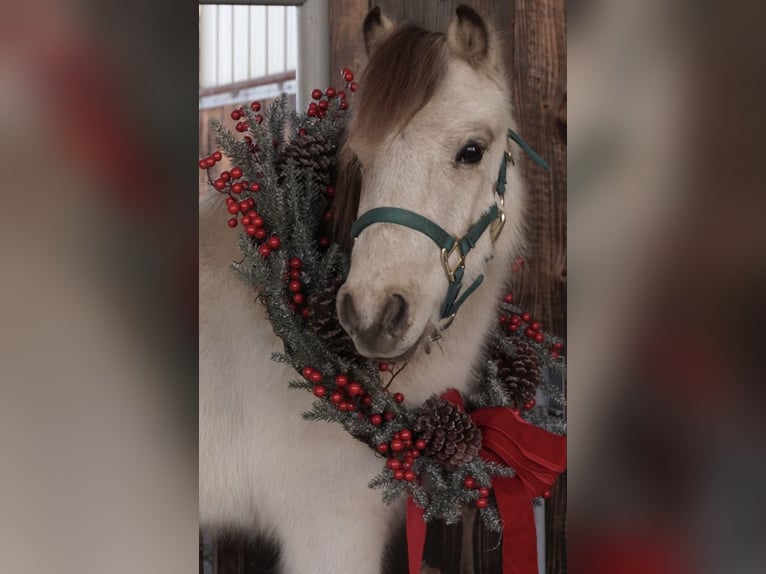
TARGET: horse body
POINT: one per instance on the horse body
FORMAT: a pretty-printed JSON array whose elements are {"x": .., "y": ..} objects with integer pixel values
[{"x": 263, "y": 468}]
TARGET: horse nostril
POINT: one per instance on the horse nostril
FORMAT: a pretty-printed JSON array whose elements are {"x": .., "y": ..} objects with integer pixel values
[
  {"x": 394, "y": 316},
  {"x": 347, "y": 314}
]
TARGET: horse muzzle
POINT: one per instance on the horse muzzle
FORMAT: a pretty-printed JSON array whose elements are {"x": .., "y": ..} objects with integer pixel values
[{"x": 379, "y": 329}]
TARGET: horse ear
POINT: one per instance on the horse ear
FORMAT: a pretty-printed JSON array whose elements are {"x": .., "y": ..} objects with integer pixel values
[
  {"x": 376, "y": 25},
  {"x": 468, "y": 36}
]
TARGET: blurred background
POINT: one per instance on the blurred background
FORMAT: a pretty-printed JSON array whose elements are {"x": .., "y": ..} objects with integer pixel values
[{"x": 98, "y": 294}]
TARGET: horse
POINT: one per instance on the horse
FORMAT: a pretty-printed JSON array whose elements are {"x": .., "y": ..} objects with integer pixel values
[{"x": 427, "y": 134}]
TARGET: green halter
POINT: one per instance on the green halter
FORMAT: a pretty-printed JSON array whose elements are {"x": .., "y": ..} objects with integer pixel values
[{"x": 447, "y": 243}]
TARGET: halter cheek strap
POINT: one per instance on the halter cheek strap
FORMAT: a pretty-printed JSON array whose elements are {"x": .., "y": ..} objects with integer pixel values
[{"x": 447, "y": 243}]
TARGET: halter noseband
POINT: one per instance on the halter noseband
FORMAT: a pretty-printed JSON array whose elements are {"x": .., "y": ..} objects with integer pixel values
[{"x": 494, "y": 218}]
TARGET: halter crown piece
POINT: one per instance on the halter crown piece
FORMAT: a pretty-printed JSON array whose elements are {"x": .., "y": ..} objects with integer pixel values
[{"x": 494, "y": 218}]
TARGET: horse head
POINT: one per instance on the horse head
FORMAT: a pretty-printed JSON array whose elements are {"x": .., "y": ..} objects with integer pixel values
[{"x": 427, "y": 138}]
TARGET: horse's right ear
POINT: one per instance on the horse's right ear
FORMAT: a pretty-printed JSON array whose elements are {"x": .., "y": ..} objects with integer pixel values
[{"x": 376, "y": 25}]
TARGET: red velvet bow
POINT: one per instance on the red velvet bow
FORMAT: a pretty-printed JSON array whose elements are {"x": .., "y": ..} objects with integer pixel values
[{"x": 537, "y": 456}]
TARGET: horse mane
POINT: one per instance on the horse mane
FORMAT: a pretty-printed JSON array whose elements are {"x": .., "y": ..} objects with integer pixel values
[{"x": 403, "y": 73}]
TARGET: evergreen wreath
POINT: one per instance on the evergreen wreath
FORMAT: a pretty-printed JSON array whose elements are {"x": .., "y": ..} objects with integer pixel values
[{"x": 280, "y": 191}]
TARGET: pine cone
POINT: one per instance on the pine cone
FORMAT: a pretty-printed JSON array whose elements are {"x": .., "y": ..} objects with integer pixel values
[
  {"x": 324, "y": 321},
  {"x": 520, "y": 373},
  {"x": 451, "y": 436},
  {"x": 311, "y": 152}
]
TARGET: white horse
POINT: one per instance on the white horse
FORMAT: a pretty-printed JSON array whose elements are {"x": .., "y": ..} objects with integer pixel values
[{"x": 428, "y": 135}]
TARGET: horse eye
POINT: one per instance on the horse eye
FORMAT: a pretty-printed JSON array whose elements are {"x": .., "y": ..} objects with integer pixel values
[{"x": 472, "y": 153}]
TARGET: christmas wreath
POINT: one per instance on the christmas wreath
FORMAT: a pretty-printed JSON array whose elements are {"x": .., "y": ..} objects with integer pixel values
[{"x": 449, "y": 452}]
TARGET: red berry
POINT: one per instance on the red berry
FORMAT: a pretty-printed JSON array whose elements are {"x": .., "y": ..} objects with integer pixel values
[
  {"x": 558, "y": 345},
  {"x": 469, "y": 482},
  {"x": 342, "y": 94},
  {"x": 512, "y": 327},
  {"x": 397, "y": 445},
  {"x": 320, "y": 391},
  {"x": 232, "y": 222},
  {"x": 264, "y": 250},
  {"x": 235, "y": 115},
  {"x": 217, "y": 156},
  {"x": 354, "y": 389},
  {"x": 252, "y": 213},
  {"x": 555, "y": 354},
  {"x": 311, "y": 112},
  {"x": 353, "y": 87},
  {"x": 315, "y": 376},
  {"x": 225, "y": 175},
  {"x": 529, "y": 332},
  {"x": 330, "y": 92},
  {"x": 503, "y": 319},
  {"x": 259, "y": 118},
  {"x": 275, "y": 242},
  {"x": 515, "y": 320},
  {"x": 539, "y": 337},
  {"x": 305, "y": 312},
  {"x": 295, "y": 263},
  {"x": 324, "y": 242},
  {"x": 382, "y": 447},
  {"x": 420, "y": 444},
  {"x": 526, "y": 317},
  {"x": 508, "y": 298},
  {"x": 255, "y": 106},
  {"x": 233, "y": 208},
  {"x": 399, "y": 474},
  {"x": 535, "y": 325},
  {"x": 323, "y": 105},
  {"x": 219, "y": 184},
  {"x": 484, "y": 492},
  {"x": 203, "y": 164},
  {"x": 341, "y": 380},
  {"x": 236, "y": 172},
  {"x": 244, "y": 206},
  {"x": 255, "y": 187},
  {"x": 298, "y": 299},
  {"x": 409, "y": 476},
  {"x": 393, "y": 464},
  {"x": 343, "y": 105},
  {"x": 348, "y": 75},
  {"x": 251, "y": 230},
  {"x": 376, "y": 419},
  {"x": 316, "y": 94},
  {"x": 482, "y": 503},
  {"x": 209, "y": 162},
  {"x": 547, "y": 493},
  {"x": 530, "y": 405},
  {"x": 337, "y": 398},
  {"x": 399, "y": 397},
  {"x": 367, "y": 400},
  {"x": 260, "y": 233},
  {"x": 388, "y": 417},
  {"x": 236, "y": 188},
  {"x": 383, "y": 366},
  {"x": 294, "y": 286},
  {"x": 330, "y": 191},
  {"x": 294, "y": 274},
  {"x": 258, "y": 221},
  {"x": 302, "y": 132},
  {"x": 405, "y": 434},
  {"x": 306, "y": 372}
]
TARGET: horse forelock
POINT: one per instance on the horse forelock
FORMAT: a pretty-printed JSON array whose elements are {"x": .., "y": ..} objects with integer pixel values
[
  {"x": 403, "y": 74},
  {"x": 401, "y": 77}
]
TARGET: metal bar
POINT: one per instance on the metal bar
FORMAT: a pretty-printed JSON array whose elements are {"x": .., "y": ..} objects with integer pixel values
[
  {"x": 257, "y": 2},
  {"x": 245, "y": 84},
  {"x": 313, "y": 55}
]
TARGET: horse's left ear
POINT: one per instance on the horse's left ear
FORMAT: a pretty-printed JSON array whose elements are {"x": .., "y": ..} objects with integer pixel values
[{"x": 468, "y": 36}]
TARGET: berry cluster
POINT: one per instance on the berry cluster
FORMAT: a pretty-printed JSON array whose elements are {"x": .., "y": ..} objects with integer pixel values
[
  {"x": 294, "y": 287},
  {"x": 483, "y": 501},
  {"x": 211, "y": 160},
  {"x": 532, "y": 329},
  {"x": 318, "y": 108},
  {"x": 243, "y": 126},
  {"x": 401, "y": 453}
]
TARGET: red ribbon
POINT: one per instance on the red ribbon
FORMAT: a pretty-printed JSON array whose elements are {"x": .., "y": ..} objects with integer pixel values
[{"x": 537, "y": 456}]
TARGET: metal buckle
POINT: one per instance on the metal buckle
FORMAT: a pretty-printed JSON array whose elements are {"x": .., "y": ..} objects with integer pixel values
[
  {"x": 509, "y": 157},
  {"x": 497, "y": 227},
  {"x": 446, "y": 264}
]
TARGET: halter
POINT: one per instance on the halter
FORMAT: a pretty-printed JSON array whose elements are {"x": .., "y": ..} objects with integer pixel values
[{"x": 494, "y": 219}]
